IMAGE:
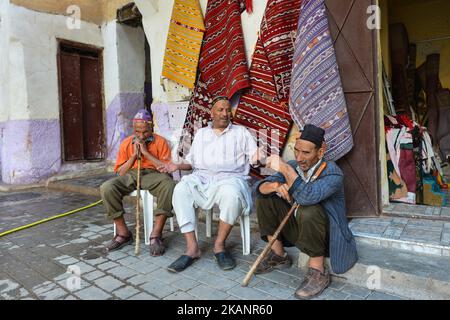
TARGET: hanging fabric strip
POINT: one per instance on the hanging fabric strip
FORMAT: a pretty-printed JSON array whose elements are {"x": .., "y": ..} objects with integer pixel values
[
  {"x": 223, "y": 66},
  {"x": 184, "y": 41},
  {"x": 264, "y": 107},
  {"x": 316, "y": 94}
]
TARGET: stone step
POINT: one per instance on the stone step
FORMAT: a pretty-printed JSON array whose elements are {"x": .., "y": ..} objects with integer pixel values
[
  {"x": 415, "y": 235},
  {"x": 89, "y": 185},
  {"x": 417, "y": 211},
  {"x": 403, "y": 273}
]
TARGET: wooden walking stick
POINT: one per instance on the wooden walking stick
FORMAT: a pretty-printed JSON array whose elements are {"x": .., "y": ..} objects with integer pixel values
[
  {"x": 277, "y": 232},
  {"x": 138, "y": 203}
]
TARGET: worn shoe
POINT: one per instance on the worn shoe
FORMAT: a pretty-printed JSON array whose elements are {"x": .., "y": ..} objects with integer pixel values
[
  {"x": 313, "y": 284},
  {"x": 181, "y": 263},
  {"x": 273, "y": 261},
  {"x": 118, "y": 242},
  {"x": 225, "y": 260}
]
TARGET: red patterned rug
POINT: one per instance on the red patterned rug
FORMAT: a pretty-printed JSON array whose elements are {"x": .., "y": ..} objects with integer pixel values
[
  {"x": 223, "y": 66},
  {"x": 264, "y": 107}
]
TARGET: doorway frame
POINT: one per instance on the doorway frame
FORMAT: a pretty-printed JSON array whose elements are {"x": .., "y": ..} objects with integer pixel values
[{"x": 84, "y": 47}]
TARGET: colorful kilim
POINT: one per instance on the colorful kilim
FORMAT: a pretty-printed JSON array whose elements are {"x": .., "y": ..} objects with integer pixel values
[
  {"x": 184, "y": 41},
  {"x": 223, "y": 66},
  {"x": 264, "y": 107},
  {"x": 316, "y": 94}
]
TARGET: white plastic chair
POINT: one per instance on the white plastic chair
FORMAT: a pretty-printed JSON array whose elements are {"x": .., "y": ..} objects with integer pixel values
[
  {"x": 244, "y": 225},
  {"x": 147, "y": 205}
]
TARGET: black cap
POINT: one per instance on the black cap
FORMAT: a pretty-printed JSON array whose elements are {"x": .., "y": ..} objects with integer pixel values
[
  {"x": 218, "y": 98},
  {"x": 313, "y": 134}
]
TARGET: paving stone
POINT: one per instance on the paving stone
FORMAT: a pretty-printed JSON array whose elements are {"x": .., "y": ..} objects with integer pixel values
[
  {"x": 219, "y": 282},
  {"x": 116, "y": 255},
  {"x": 247, "y": 293},
  {"x": 107, "y": 265},
  {"x": 93, "y": 275},
  {"x": 69, "y": 261},
  {"x": 335, "y": 295},
  {"x": 125, "y": 293},
  {"x": 97, "y": 261},
  {"x": 207, "y": 293},
  {"x": 336, "y": 285},
  {"x": 54, "y": 294},
  {"x": 382, "y": 296},
  {"x": 279, "y": 292},
  {"x": 144, "y": 267},
  {"x": 158, "y": 288},
  {"x": 143, "y": 296},
  {"x": 179, "y": 295},
  {"x": 39, "y": 290},
  {"x": 122, "y": 272},
  {"x": 108, "y": 283},
  {"x": 445, "y": 241},
  {"x": 128, "y": 261},
  {"x": 92, "y": 293},
  {"x": 185, "y": 284},
  {"x": 356, "y": 291},
  {"x": 139, "y": 279}
]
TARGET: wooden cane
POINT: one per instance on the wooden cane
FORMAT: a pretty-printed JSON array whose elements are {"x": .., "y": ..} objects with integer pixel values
[
  {"x": 266, "y": 250},
  {"x": 138, "y": 203}
]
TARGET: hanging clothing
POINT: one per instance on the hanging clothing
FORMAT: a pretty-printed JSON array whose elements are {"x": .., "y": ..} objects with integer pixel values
[
  {"x": 223, "y": 66},
  {"x": 184, "y": 41},
  {"x": 263, "y": 107},
  {"x": 316, "y": 95}
]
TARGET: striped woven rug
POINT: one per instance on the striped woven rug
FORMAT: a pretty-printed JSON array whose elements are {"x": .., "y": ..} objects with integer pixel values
[
  {"x": 183, "y": 44},
  {"x": 317, "y": 96},
  {"x": 264, "y": 107},
  {"x": 223, "y": 66}
]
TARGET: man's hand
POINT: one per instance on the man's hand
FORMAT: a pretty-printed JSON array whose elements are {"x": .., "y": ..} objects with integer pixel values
[
  {"x": 167, "y": 167},
  {"x": 283, "y": 191},
  {"x": 135, "y": 150}
]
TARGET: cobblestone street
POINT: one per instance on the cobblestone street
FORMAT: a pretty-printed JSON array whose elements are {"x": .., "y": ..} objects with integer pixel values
[{"x": 36, "y": 262}]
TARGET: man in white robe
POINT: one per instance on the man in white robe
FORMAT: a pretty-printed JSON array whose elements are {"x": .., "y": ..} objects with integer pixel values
[{"x": 220, "y": 157}]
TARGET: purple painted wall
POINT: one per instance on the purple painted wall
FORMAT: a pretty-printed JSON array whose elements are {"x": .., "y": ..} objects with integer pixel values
[
  {"x": 119, "y": 117},
  {"x": 2, "y": 126},
  {"x": 31, "y": 150}
]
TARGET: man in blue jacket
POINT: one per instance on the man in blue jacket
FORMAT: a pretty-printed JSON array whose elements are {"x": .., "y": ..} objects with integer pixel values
[{"x": 319, "y": 228}]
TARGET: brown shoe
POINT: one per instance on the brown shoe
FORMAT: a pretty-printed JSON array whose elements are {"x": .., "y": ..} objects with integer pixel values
[
  {"x": 118, "y": 242},
  {"x": 313, "y": 284},
  {"x": 273, "y": 261}
]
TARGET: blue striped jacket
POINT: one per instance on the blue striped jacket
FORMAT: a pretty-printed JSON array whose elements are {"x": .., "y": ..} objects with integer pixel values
[{"x": 328, "y": 191}]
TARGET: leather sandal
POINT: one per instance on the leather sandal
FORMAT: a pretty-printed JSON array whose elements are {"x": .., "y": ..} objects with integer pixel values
[
  {"x": 157, "y": 247},
  {"x": 118, "y": 242}
]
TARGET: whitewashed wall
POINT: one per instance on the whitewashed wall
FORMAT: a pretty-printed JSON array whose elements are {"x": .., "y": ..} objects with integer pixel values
[{"x": 33, "y": 63}]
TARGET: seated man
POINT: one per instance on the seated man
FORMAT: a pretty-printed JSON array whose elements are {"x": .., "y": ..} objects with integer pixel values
[
  {"x": 319, "y": 226},
  {"x": 220, "y": 158},
  {"x": 154, "y": 152}
]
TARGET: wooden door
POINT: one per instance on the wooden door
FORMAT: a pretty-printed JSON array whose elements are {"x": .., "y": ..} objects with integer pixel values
[
  {"x": 81, "y": 103},
  {"x": 355, "y": 49},
  {"x": 91, "y": 88},
  {"x": 72, "y": 113}
]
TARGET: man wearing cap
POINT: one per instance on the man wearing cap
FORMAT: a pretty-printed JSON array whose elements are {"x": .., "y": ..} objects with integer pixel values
[
  {"x": 154, "y": 152},
  {"x": 319, "y": 228},
  {"x": 220, "y": 157}
]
